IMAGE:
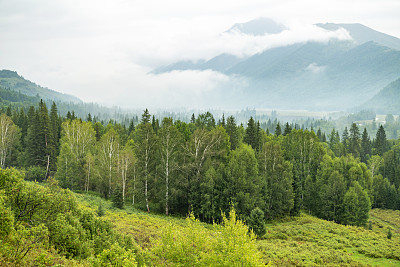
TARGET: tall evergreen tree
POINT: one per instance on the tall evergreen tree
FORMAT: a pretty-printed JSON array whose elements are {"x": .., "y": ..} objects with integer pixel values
[
  {"x": 287, "y": 130},
  {"x": 250, "y": 135},
  {"x": 145, "y": 144},
  {"x": 354, "y": 141},
  {"x": 380, "y": 143},
  {"x": 278, "y": 130},
  {"x": 345, "y": 140},
  {"x": 145, "y": 117},
  {"x": 319, "y": 134},
  {"x": 365, "y": 151},
  {"x": 55, "y": 131},
  {"x": 233, "y": 132}
]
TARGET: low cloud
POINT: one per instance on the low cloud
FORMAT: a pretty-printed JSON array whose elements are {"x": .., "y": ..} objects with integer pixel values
[
  {"x": 315, "y": 68},
  {"x": 103, "y": 50}
]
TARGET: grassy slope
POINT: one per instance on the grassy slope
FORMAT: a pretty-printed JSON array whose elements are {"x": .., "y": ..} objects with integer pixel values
[{"x": 303, "y": 241}]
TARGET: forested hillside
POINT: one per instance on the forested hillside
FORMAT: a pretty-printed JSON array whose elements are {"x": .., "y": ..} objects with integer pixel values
[
  {"x": 387, "y": 100},
  {"x": 12, "y": 81},
  {"x": 203, "y": 167}
]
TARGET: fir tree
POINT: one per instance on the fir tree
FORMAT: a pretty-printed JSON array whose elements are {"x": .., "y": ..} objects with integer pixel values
[
  {"x": 380, "y": 144},
  {"x": 250, "y": 136},
  {"x": 354, "y": 141},
  {"x": 278, "y": 130},
  {"x": 345, "y": 139},
  {"x": 232, "y": 131},
  {"x": 287, "y": 130},
  {"x": 365, "y": 151}
]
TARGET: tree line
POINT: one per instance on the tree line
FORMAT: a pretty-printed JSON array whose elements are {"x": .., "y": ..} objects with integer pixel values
[{"x": 206, "y": 166}]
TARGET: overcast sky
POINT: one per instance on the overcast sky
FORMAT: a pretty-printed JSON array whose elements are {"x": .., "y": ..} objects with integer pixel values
[{"x": 103, "y": 50}]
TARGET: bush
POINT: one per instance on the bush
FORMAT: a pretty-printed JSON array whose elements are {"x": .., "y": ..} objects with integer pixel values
[
  {"x": 229, "y": 244},
  {"x": 35, "y": 173},
  {"x": 116, "y": 256}
]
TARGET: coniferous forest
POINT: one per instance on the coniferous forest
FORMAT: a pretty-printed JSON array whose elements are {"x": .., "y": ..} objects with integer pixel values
[{"x": 212, "y": 169}]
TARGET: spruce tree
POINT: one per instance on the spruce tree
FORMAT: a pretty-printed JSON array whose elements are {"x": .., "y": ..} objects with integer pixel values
[
  {"x": 233, "y": 132},
  {"x": 55, "y": 134},
  {"x": 365, "y": 151},
  {"x": 278, "y": 130},
  {"x": 354, "y": 141},
  {"x": 287, "y": 130},
  {"x": 345, "y": 140},
  {"x": 319, "y": 134},
  {"x": 380, "y": 144},
  {"x": 250, "y": 135}
]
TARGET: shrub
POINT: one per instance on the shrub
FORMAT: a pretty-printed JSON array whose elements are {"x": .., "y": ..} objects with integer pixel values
[{"x": 35, "y": 173}]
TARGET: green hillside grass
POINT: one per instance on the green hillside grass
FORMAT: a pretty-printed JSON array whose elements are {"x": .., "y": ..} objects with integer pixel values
[{"x": 301, "y": 241}]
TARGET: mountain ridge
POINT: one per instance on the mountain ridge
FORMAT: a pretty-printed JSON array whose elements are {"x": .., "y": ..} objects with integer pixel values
[
  {"x": 15, "y": 82},
  {"x": 333, "y": 75}
]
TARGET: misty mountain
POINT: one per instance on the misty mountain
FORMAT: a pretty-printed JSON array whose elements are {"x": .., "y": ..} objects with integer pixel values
[
  {"x": 258, "y": 26},
  {"x": 362, "y": 34},
  {"x": 13, "y": 81},
  {"x": 221, "y": 63},
  {"x": 336, "y": 75},
  {"x": 387, "y": 101}
]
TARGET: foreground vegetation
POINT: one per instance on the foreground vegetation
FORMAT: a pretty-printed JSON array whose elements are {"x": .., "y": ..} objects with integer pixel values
[
  {"x": 300, "y": 241},
  {"x": 44, "y": 225},
  {"x": 199, "y": 169}
]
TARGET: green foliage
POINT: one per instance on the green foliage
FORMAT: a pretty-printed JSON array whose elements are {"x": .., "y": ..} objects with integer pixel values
[
  {"x": 35, "y": 173},
  {"x": 356, "y": 205},
  {"x": 35, "y": 217},
  {"x": 7, "y": 218},
  {"x": 256, "y": 222},
  {"x": 228, "y": 244},
  {"x": 243, "y": 182},
  {"x": 277, "y": 176},
  {"x": 115, "y": 256}
]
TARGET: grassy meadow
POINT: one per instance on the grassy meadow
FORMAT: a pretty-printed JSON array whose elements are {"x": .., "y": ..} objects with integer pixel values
[{"x": 299, "y": 241}]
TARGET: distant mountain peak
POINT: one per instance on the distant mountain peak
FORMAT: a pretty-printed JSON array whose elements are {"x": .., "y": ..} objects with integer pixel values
[
  {"x": 363, "y": 34},
  {"x": 260, "y": 26}
]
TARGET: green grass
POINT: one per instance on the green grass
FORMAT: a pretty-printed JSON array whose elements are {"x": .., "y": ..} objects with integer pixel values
[{"x": 299, "y": 241}]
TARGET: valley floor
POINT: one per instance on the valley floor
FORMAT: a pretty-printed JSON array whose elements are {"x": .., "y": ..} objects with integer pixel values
[{"x": 298, "y": 241}]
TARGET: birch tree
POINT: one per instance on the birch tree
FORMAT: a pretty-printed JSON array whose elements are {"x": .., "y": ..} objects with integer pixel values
[
  {"x": 145, "y": 144},
  {"x": 108, "y": 150},
  {"x": 77, "y": 141},
  {"x": 126, "y": 161},
  {"x": 170, "y": 140},
  {"x": 9, "y": 135},
  {"x": 203, "y": 145}
]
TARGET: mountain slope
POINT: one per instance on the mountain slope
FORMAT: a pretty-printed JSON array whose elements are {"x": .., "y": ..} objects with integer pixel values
[
  {"x": 387, "y": 101},
  {"x": 362, "y": 34},
  {"x": 334, "y": 75},
  {"x": 11, "y": 80},
  {"x": 317, "y": 76}
]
